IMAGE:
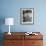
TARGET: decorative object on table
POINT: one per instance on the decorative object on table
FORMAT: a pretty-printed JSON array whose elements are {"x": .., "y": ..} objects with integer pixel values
[
  {"x": 9, "y": 21},
  {"x": 27, "y": 15},
  {"x": 30, "y": 33}
]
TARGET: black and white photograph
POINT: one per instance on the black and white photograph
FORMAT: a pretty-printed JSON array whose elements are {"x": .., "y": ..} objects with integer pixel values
[{"x": 27, "y": 15}]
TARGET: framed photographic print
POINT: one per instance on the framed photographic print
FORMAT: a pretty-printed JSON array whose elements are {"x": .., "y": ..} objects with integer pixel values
[{"x": 27, "y": 15}]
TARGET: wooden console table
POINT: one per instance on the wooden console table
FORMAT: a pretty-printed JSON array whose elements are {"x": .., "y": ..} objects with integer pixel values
[{"x": 20, "y": 39}]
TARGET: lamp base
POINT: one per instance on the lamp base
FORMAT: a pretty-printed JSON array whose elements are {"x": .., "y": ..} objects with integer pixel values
[{"x": 9, "y": 33}]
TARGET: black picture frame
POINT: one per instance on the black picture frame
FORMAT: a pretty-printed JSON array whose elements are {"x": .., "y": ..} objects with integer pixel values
[{"x": 27, "y": 15}]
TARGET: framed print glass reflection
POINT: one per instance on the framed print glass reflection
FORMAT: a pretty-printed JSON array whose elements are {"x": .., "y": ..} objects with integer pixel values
[{"x": 27, "y": 15}]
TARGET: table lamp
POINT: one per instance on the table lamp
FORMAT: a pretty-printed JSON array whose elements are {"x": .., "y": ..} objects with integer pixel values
[{"x": 9, "y": 21}]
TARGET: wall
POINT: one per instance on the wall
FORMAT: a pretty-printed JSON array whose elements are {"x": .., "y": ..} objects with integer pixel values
[{"x": 11, "y": 8}]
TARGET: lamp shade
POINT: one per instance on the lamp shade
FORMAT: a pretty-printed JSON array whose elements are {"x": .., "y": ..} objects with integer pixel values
[{"x": 9, "y": 21}]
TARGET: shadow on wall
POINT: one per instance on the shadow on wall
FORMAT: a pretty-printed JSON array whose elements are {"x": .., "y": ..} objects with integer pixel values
[
  {"x": 2, "y": 21},
  {"x": 1, "y": 39}
]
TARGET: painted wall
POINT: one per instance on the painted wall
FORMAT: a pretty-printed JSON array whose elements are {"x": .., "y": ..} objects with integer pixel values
[{"x": 11, "y": 8}]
